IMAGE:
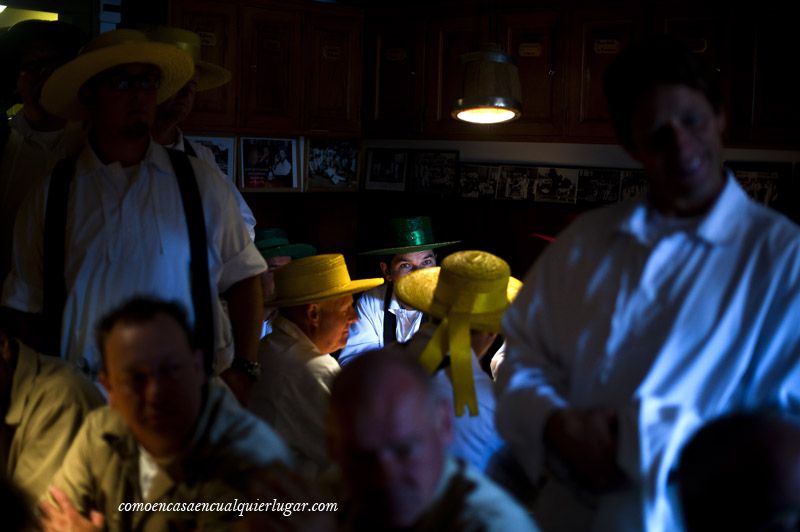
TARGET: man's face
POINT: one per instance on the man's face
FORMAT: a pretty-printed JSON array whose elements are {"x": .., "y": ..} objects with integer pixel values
[
  {"x": 392, "y": 452},
  {"x": 36, "y": 65},
  {"x": 335, "y": 318},
  {"x": 677, "y": 137},
  {"x": 268, "y": 277},
  {"x": 123, "y": 100},
  {"x": 154, "y": 380},
  {"x": 177, "y": 108},
  {"x": 402, "y": 265}
]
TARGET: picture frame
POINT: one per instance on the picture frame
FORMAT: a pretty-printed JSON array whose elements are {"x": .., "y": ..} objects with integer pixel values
[
  {"x": 556, "y": 185},
  {"x": 516, "y": 182},
  {"x": 598, "y": 185},
  {"x": 223, "y": 148},
  {"x": 435, "y": 172},
  {"x": 476, "y": 180},
  {"x": 332, "y": 165},
  {"x": 269, "y": 165},
  {"x": 633, "y": 184},
  {"x": 766, "y": 182},
  {"x": 386, "y": 169}
]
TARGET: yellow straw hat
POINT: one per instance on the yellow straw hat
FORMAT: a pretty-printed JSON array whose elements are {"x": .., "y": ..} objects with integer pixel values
[
  {"x": 316, "y": 278},
  {"x": 471, "y": 290},
  {"x": 108, "y": 50},
  {"x": 210, "y": 76}
]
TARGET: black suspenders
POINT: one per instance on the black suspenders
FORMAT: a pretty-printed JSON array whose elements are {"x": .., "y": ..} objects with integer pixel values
[
  {"x": 54, "y": 283},
  {"x": 389, "y": 319}
]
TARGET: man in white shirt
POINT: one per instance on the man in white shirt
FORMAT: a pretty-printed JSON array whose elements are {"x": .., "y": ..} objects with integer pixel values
[
  {"x": 315, "y": 302},
  {"x": 128, "y": 228},
  {"x": 176, "y": 109},
  {"x": 643, "y": 319},
  {"x": 38, "y": 138},
  {"x": 382, "y": 318}
]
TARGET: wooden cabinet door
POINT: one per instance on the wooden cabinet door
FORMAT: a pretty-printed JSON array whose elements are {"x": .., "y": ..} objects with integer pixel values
[
  {"x": 394, "y": 76},
  {"x": 332, "y": 73},
  {"x": 596, "y": 39},
  {"x": 764, "y": 95},
  {"x": 215, "y": 22},
  {"x": 536, "y": 43},
  {"x": 449, "y": 39},
  {"x": 270, "y": 71}
]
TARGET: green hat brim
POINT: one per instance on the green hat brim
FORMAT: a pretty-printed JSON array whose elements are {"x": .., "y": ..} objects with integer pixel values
[
  {"x": 296, "y": 251},
  {"x": 409, "y": 249}
]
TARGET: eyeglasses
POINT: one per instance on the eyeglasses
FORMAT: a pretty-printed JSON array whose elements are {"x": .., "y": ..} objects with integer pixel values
[{"x": 123, "y": 82}]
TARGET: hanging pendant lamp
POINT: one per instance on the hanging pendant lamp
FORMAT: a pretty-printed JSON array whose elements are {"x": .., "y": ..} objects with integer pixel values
[{"x": 491, "y": 93}]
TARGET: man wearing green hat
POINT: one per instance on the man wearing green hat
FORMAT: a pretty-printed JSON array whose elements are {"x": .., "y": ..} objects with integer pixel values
[
  {"x": 314, "y": 295},
  {"x": 175, "y": 110},
  {"x": 382, "y": 318},
  {"x": 274, "y": 246}
]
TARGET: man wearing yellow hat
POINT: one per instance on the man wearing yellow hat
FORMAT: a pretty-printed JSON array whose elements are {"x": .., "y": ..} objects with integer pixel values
[
  {"x": 467, "y": 295},
  {"x": 126, "y": 217},
  {"x": 315, "y": 302},
  {"x": 410, "y": 245},
  {"x": 172, "y": 112}
]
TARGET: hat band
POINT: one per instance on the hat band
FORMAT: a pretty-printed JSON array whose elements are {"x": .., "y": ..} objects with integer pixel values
[{"x": 475, "y": 297}]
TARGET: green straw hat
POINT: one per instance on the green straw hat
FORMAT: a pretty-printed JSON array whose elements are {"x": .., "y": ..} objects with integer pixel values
[{"x": 409, "y": 235}]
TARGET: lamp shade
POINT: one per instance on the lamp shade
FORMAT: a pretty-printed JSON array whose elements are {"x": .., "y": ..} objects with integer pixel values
[{"x": 491, "y": 93}]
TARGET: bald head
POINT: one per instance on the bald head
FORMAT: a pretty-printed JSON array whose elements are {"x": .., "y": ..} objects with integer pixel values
[
  {"x": 741, "y": 472},
  {"x": 388, "y": 433}
]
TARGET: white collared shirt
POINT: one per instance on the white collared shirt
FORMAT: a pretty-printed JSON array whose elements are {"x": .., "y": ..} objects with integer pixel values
[
  {"x": 671, "y": 324},
  {"x": 127, "y": 236}
]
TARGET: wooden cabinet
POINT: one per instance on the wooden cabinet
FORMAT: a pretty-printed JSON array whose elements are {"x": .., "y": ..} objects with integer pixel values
[
  {"x": 333, "y": 75},
  {"x": 215, "y": 22},
  {"x": 536, "y": 44},
  {"x": 394, "y": 76},
  {"x": 764, "y": 108},
  {"x": 596, "y": 38},
  {"x": 296, "y": 66},
  {"x": 271, "y": 78}
]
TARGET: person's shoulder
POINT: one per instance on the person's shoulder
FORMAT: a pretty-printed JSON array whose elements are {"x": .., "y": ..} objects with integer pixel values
[
  {"x": 61, "y": 383},
  {"x": 492, "y": 505}
]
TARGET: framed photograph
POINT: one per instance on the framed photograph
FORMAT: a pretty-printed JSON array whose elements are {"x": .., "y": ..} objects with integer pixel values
[
  {"x": 478, "y": 181},
  {"x": 223, "y": 149},
  {"x": 765, "y": 182},
  {"x": 632, "y": 185},
  {"x": 435, "y": 172},
  {"x": 332, "y": 165},
  {"x": 556, "y": 185},
  {"x": 269, "y": 164},
  {"x": 386, "y": 169},
  {"x": 515, "y": 182},
  {"x": 598, "y": 185}
]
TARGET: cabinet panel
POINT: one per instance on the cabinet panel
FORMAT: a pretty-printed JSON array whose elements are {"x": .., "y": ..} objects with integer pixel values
[
  {"x": 216, "y": 24},
  {"x": 449, "y": 39},
  {"x": 271, "y": 83},
  {"x": 333, "y": 74},
  {"x": 394, "y": 77},
  {"x": 536, "y": 43},
  {"x": 597, "y": 38}
]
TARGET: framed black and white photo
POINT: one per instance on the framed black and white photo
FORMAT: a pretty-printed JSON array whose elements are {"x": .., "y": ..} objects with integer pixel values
[
  {"x": 764, "y": 181},
  {"x": 222, "y": 148},
  {"x": 515, "y": 182},
  {"x": 269, "y": 164},
  {"x": 435, "y": 172},
  {"x": 632, "y": 185},
  {"x": 598, "y": 185},
  {"x": 332, "y": 165},
  {"x": 478, "y": 181},
  {"x": 386, "y": 169},
  {"x": 556, "y": 185}
]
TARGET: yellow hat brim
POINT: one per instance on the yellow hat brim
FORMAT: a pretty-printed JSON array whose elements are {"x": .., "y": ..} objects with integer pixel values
[
  {"x": 211, "y": 76},
  {"x": 417, "y": 289},
  {"x": 60, "y": 91},
  {"x": 353, "y": 287}
]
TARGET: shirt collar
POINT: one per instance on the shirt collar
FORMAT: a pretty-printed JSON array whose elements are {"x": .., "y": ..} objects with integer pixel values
[
  {"x": 720, "y": 224},
  {"x": 155, "y": 156},
  {"x": 22, "y": 383},
  {"x": 291, "y": 330}
]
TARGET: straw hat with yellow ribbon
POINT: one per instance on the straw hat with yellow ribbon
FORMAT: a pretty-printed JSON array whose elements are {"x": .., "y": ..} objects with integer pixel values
[
  {"x": 108, "y": 50},
  {"x": 314, "y": 279},
  {"x": 471, "y": 290},
  {"x": 210, "y": 76}
]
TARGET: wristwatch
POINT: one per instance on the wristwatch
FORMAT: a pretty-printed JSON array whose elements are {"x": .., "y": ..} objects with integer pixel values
[{"x": 253, "y": 369}]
